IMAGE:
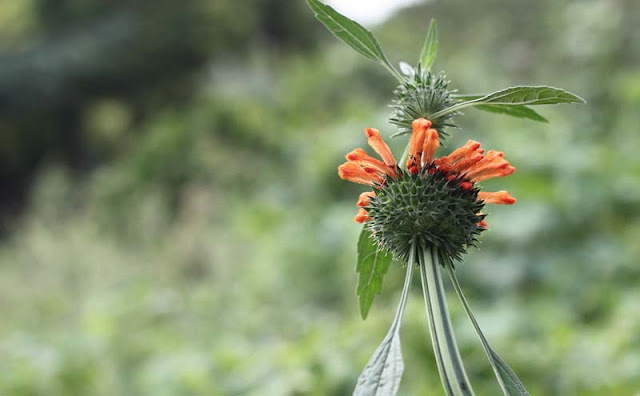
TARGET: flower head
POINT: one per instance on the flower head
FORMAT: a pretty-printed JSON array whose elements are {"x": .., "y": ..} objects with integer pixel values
[
  {"x": 421, "y": 94},
  {"x": 434, "y": 202}
]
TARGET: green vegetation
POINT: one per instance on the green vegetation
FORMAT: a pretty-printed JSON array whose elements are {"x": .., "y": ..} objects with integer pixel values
[{"x": 173, "y": 223}]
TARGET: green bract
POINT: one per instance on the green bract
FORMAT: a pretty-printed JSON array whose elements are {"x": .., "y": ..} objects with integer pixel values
[{"x": 426, "y": 208}]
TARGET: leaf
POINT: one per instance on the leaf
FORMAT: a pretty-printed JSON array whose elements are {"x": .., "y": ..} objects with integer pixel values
[
  {"x": 521, "y": 95},
  {"x": 373, "y": 264},
  {"x": 507, "y": 378},
  {"x": 430, "y": 48},
  {"x": 353, "y": 34},
  {"x": 511, "y": 381},
  {"x": 514, "y": 111},
  {"x": 382, "y": 374},
  {"x": 526, "y": 95}
]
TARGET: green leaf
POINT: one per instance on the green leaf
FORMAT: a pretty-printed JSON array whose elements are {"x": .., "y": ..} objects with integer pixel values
[
  {"x": 373, "y": 264},
  {"x": 430, "y": 48},
  {"x": 353, "y": 34},
  {"x": 507, "y": 378},
  {"x": 381, "y": 376},
  {"x": 525, "y": 95},
  {"x": 514, "y": 111},
  {"x": 522, "y": 95},
  {"x": 383, "y": 372},
  {"x": 519, "y": 111}
]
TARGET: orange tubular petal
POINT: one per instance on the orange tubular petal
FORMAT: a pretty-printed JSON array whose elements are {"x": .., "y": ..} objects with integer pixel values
[
  {"x": 354, "y": 173},
  {"x": 363, "y": 199},
  {"x": 463, "y": 151},
  {"x": 499, "y": 198},
  {"x": 362, "y": 216},
  {"x": 483, "y": 224},
  {"x": 431, "y": 144},
  {"x": 465, "y": 163},
  {"x": 460, "y": 158},
  {"x": 443, "y": 164},
  {"x": 361, "y": 157},
  {"x": 416, "y": 144},
  {"x": 501, "y": 171},
  {"x": 380, "y": 147},
  {"x": 491, "y": 162}
]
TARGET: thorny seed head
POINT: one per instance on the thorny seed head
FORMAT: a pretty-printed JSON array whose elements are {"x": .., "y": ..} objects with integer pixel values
[{"x": 430, "y": 208}]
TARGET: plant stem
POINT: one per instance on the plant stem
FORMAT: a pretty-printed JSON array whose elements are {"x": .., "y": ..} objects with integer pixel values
[
  {"x": 453, "y": 108},
  {"x": 507, "y": 378},
  {"x": 405, "y": 292},
  {"x": 452, "y": 373},
  {"x": 393, "y": 71}
]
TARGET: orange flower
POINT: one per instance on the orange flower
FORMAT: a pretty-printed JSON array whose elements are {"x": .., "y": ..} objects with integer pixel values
[{"x": 463, "y": 168}]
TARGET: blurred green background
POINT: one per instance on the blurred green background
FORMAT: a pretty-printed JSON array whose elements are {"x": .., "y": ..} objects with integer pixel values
[{"x": 172, "y": 222}]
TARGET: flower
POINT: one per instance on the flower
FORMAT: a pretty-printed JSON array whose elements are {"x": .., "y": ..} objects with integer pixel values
[
  {"x": 434, "y": 202},
  {"x": 422, "y": 93}
]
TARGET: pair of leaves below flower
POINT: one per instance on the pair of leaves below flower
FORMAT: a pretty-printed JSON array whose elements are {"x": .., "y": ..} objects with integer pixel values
[
  {"x": 507, "y": 378},
  {"x": 353, "y": 34},
  {"x": 373, "y": 264}
]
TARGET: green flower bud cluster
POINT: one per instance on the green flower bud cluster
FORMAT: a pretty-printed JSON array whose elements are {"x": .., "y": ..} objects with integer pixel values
[{"x": 421, "y": 95}]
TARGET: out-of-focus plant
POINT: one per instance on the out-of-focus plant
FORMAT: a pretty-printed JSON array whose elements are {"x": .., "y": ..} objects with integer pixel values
[{"x": 426, "y": 211}]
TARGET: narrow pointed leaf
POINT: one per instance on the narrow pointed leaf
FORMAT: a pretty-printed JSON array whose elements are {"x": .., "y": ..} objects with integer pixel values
[
  {"x": 430, "y": 47},
  {"x": 511, "y": 381},
  {"x": 382, "y": 374},
  {"x": 518, "y": 111},
  {"x": 352, "y": 33},
  {"x": 521, "y": 95},
  {"x": 373, "y": 264},
  {"x": 514, "y": 111},
  {"x": 507, "y": 378},
  {"x": 526, "y": 95}
]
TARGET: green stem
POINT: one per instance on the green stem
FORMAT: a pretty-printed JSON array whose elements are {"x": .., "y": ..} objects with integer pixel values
[
  {"x": 452, "y": 373},
  {"x": 453, "y": 108},
  {"x": 405, "y": 293},
  {"x": 507, "y": 378},
  {"x": 393, "y": 71}
]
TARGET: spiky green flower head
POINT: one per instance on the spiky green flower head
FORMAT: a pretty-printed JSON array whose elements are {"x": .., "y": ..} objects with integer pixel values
[
  {"x": 430, "y": 209},
  {"x": 422, "y": 94}
]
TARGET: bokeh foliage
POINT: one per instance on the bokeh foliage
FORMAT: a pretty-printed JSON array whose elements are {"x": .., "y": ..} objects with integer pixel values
[{"x": 174, "y": 225}]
